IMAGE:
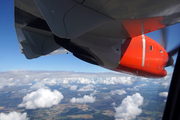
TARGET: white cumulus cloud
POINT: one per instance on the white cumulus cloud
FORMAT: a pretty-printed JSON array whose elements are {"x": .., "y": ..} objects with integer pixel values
[
  {"x": 24, "y": 91},
  {"x": 85, "y": 99},
  {"x": 113, "y": 104},
  {"x": 107, "y": 97},
  {"x": 136, "y": 88},
  {"x": 73, "y": 87},
  {"x": 88, "y": 87},
  {"x": 41, "y": 98},
  {"x": 129, "y": 107},
  {"x": 38, "y": 85},
  {"x": 163, "y": 94},
  {"x": 118, "y": 92},
  {"x": 13, "y": 116}
]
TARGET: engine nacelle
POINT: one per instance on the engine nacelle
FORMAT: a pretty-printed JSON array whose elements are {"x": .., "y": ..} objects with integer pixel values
[{"x": 143, "y": 57}]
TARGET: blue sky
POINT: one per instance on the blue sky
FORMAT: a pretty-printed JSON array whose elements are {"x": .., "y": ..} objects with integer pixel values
[{"x": 11, "y": 58}]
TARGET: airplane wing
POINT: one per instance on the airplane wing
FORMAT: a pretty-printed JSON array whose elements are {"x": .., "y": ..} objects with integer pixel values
[{"x": 93, "y": 30}]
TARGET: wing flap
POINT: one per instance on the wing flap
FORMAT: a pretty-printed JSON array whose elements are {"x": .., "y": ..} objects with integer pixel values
[{"x": 33, "y": 44}]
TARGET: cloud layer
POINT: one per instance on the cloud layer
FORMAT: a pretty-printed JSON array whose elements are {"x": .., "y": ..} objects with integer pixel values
[
  {"x": 41, "y": 98},
  {"x": 24, "y": 77},
  {"x": 13, "y": 116},
  {"x": 42, "y": 78},
  {"x": 85, "y": 99},
  {"x": 163, "y": 94},
  {"x": 129, "y": 107}
]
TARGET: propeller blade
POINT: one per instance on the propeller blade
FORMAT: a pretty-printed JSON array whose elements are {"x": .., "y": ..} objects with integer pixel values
[
  {"x": 170, "y": 61},
  {"x": 164, "y": 32},
  {"x": 173, "y": 65},
  {"x": 174, "y": 51},
  {"x": 170, "y": 54}
]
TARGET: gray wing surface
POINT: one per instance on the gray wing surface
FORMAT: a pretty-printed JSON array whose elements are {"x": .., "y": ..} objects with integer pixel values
[{"x": 93, "y": 30}]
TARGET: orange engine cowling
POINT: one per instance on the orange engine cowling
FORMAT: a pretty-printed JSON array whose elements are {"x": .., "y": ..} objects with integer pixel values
[{"x": 143, "y": 57}]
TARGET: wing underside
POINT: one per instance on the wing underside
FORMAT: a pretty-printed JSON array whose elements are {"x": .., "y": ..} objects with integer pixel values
[{"x": 95, "y": 30}]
